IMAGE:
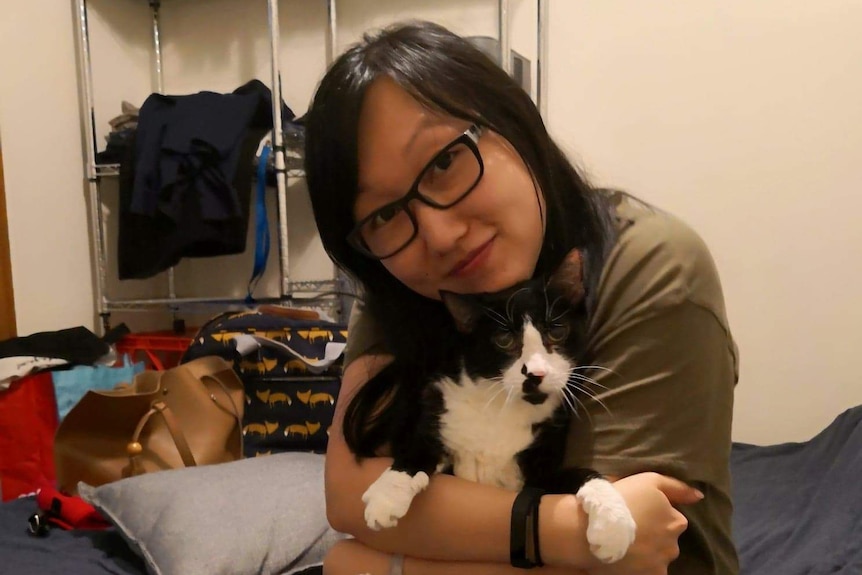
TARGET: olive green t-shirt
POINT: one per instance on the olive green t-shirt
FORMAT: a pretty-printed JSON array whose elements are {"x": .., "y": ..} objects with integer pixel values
[{"x": 659, "y": 331}]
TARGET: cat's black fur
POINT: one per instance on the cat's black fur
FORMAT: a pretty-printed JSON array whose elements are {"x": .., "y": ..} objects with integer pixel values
[{"x": 552, "y": 306}]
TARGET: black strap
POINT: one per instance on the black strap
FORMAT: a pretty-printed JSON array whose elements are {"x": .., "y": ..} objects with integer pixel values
[{"x": 525, "y": 513}]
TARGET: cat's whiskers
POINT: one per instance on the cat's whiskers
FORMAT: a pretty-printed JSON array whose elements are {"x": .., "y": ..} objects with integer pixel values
[
  {"x": 588, "y": 380},
  {"x": 584, "y": 378},
  {"x": 496, "y": 316},
  {"x": 551, "y": 311},
  {"x": 501, "y": 389},
  {"x": 599, "y": 367},
  {"x": 569, "y": 401},
  {"x": 571, "y": 387},
  {"x": 510, "y": 302},
  {"x": 571, "y": 393},
  {"x": 508, "y": 396}
]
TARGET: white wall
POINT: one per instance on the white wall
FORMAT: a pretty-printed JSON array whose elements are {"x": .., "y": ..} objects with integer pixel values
[
  {"x": 41, "y": 137},
  {"x": 745, "y": 119},
  {"x": 742, "y": 117}
]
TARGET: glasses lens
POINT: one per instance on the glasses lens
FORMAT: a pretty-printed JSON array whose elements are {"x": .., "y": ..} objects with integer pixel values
[
  {"x": 451, "y": 175},
  {"x": 387, "y": 231}
]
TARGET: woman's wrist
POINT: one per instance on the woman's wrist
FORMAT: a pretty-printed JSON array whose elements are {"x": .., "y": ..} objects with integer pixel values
[
  {"x": 524, "y": 544},
  {"x": 563, "y": 532}
]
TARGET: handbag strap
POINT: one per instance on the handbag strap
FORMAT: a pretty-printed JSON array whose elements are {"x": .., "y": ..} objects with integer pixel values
[
  {"x": 234, "y": 410},
  {"x": 134, "y": 448},
  {"x": 208, "y": 367}
]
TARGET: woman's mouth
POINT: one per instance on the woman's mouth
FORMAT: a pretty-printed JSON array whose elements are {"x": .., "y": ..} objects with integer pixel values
[{"x": 472, "y": 261}]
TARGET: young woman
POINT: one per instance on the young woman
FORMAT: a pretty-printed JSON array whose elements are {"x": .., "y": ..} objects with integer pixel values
[{"x": 381, "y": 126}]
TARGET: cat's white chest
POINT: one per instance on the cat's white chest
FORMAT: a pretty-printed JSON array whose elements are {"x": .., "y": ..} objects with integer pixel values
[{"x": 483, "y": 432}]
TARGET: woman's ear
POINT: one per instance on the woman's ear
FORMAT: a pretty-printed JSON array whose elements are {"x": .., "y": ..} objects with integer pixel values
[
  {"x": 463, "y": 309},
  {"x": 568, "y": 279}
]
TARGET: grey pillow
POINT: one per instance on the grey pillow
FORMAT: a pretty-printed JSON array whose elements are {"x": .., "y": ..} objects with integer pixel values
[{"x": 262, "y": 515}]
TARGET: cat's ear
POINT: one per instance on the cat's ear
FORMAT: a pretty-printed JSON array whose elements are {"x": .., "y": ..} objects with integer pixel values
[
  {"x": 569, "y": 278},
  {"x": 462, "y": 308}
]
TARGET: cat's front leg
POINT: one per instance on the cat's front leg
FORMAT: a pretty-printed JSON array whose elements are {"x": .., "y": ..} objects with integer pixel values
[
  {"x": 416, "y": 456},
  {"x": 389, "y": 497},
  {"x": 611, "y": 528}
]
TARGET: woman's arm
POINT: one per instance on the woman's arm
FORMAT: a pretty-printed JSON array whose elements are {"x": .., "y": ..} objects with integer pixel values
[
  {"x": 350, "y": 557},
  {"x": 459, "y": 520}
]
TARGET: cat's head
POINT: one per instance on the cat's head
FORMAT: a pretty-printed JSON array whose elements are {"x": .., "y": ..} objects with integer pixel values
[{"x": 530, "y": 336}]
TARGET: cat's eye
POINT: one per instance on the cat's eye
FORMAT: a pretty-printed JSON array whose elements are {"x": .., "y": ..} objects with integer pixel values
[
  {"x": 558, "y": 333},
  {"x": 504, "y": 340}
]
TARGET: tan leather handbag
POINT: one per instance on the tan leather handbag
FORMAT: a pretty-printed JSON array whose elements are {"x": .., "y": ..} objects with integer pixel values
[{"x": 184, "y": 416}]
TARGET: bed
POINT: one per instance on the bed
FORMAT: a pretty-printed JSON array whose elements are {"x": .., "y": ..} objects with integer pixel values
[{"x": 798, "y": 509}]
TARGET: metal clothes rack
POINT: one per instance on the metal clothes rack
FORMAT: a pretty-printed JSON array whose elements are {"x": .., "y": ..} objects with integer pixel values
[{"x": 289, "y": 290}]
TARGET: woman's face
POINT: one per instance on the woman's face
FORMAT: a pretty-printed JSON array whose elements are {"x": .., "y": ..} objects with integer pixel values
[{"x": 487, "y": 242}]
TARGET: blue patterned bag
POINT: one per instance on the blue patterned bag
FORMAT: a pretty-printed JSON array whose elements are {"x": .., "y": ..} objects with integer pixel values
[{"x": 291, "y": 369}]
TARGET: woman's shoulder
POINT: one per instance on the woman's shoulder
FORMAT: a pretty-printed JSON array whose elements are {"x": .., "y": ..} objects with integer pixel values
[{"x": 658, "y": 260}]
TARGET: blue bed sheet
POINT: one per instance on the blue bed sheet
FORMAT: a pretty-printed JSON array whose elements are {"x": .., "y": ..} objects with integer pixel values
[
  {"x": 60, "y": 552},
  {"x": 798, "y": 506}
]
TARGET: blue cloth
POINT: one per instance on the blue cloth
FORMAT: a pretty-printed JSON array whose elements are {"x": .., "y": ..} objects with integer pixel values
[
  {"x": 70, "y": 385},
  {"x": 798, "y": 506}
]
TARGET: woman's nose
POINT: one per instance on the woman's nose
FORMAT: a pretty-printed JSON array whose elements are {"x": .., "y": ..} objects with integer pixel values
[{"x": 439, "y": 229}]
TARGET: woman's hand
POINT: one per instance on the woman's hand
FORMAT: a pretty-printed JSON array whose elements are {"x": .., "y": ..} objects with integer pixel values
[{"x": 651, "y": 499}]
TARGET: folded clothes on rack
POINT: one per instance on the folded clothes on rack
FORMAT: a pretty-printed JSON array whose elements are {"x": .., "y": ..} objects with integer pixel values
[
  {"x": 122, "y": 130},
  {"x": 185, "y": 182}
]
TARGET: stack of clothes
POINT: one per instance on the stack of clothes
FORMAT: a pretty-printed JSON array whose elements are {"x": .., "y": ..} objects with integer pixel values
[{"x": 122, "y": 131}]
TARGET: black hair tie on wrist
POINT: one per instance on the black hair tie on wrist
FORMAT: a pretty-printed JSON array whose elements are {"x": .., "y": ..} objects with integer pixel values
[{"x": 524, "y": 525}]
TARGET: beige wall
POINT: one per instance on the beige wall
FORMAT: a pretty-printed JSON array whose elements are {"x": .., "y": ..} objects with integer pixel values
[
  {"x": 745, "y": 119},
  {"x": 41, "y": 136},
  {"x": 742, "y": 117}
]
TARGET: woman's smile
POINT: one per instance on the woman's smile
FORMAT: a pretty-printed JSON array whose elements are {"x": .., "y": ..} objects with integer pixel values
[{"x": 473, "y": 261}]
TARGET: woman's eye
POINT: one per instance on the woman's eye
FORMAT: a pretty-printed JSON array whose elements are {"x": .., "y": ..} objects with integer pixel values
[
  {"x": 444, "y": 160},
  {"x": 557, "y": 333},
  {"x": 385, "y": 215},
  {"x": 504, "y": 341}
]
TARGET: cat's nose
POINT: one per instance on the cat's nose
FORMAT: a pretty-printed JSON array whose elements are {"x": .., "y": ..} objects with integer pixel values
[{"x": 536, "y": 365}]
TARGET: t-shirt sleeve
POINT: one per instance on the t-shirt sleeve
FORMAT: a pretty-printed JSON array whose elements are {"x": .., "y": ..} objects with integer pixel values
[
  {"x": 663, "y": 388},
  {"x": 666, "y": 362}
]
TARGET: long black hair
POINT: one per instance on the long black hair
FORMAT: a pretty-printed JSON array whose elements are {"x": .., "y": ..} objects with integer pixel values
[{"x": 448, "y": 74}]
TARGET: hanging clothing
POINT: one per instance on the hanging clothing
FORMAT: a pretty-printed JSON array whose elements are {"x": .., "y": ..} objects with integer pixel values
[{"x": 185, "y": 183}]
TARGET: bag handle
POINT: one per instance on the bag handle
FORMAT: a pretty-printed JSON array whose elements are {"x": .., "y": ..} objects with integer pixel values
[
  {"x": 134, "y": 448},
  {"x": 206, "y": 368},
  {"x": 234, "y": 410}
]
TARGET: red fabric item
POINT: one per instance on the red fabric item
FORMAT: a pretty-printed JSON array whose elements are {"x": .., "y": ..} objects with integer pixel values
[
  {"x": 67, "y": 511},
  {"x": 28, "y": 422}
]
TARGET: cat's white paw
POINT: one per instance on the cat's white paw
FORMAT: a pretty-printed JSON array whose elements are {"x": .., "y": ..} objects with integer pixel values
[
  {"x": 611, "y": 528},
  {"x": 388, "y": 499}
]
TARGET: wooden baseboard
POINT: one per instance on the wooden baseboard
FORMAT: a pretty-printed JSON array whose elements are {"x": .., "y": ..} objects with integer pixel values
[{"x": 8, "y": 327}]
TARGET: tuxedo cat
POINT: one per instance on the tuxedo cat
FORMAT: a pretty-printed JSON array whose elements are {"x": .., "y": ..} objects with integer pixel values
[{"x": 498, "y": 414}]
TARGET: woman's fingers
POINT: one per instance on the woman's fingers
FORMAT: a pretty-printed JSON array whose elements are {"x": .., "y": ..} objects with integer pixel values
[
  {"x": 677, "y": 492},
  {"x": 651, "y": 498}
]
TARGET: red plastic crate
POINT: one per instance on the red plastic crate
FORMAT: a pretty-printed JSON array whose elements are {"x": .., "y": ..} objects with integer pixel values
[{"x": 157, "y": 349}]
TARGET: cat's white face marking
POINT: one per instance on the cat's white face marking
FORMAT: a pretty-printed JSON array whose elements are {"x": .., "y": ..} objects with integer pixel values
[{"x": 537, "y": 363}]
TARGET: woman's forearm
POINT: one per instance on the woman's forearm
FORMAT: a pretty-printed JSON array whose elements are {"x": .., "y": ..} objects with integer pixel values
[
  {"x": 453, "y": 519},
  {"x": 352, "y": 557}
]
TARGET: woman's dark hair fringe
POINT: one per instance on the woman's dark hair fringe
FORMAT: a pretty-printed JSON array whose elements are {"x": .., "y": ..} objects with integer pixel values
[{"x": 446, "y": 73}]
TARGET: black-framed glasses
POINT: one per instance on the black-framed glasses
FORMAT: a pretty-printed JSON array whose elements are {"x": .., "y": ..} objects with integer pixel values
[{"x": 447, "y": 179}]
